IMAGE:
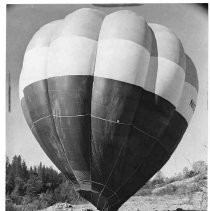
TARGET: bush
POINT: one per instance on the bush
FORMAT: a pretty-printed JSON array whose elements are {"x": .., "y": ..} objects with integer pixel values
[
  {"x": 15, "y": 197},
  {"x": 168, "y": 190},
  {"x": 27, "y": 199},
  {"x": 182, "y": 190},
  {"x": 144, "y": 192},
  {"x": 46, "y": 199},
  {"x": 200, "y": 167},
  {"x": 9, "y": 206},
  {"x": 30, "y": 207}
]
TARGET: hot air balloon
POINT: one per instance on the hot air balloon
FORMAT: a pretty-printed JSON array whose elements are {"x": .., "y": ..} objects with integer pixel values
[{"x": 108, "y": 98}]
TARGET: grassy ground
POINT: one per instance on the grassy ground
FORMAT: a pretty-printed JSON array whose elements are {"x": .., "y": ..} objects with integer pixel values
[
  {"x": 188, "y": 194},
  {"x": 166, "y": 202},
  {"x": 149, "y": 203}
]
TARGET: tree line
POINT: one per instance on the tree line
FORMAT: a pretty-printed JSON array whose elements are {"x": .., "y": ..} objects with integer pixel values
[{"x": 36, "y": 187}]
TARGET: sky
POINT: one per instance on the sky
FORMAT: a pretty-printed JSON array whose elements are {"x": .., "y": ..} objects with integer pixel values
[{"x": 190, "y": 24}]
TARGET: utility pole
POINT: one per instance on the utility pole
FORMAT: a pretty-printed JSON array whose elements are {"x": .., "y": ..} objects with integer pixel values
[{"x": 9, "y": 93}]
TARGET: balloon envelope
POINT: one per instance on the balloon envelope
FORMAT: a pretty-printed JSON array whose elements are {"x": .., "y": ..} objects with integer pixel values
[{"x": 108, "y": 98}]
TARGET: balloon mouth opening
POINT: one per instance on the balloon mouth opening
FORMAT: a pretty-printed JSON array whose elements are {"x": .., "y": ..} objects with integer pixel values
[
  {"x": 103, "y": 198},
  {"x": 99, "y": 201}
]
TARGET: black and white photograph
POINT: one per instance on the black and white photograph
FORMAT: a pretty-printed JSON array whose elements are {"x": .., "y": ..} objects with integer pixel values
[{"x": 106, "y": 107}]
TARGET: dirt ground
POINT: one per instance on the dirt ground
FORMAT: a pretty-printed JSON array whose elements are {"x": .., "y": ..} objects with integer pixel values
[
  {"x": 163, "y": 203},
  {"x": 150, "y": 203}
]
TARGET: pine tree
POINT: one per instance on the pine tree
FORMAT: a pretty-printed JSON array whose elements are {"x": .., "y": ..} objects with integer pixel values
[
  {"x": 24, "y": 173},
  {"x": 10, "y": 181},
  {"x": 8, "y": 165},
  {"x": 37, "y": 184}
]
